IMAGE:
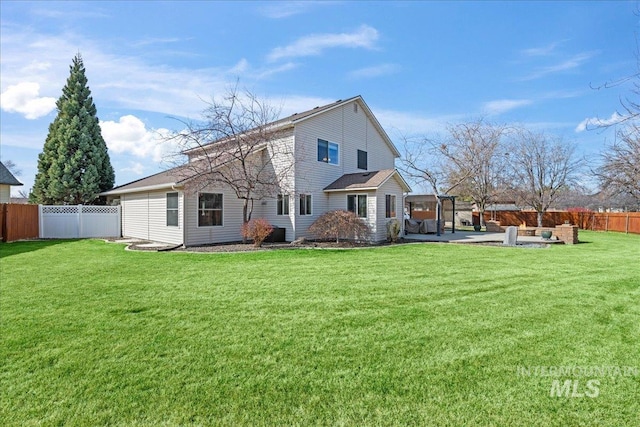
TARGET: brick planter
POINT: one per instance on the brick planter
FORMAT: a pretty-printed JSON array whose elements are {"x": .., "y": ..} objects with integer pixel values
[{"x": 567, "y": 233}]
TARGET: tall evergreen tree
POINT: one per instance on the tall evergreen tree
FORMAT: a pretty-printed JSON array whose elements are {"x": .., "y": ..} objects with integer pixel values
[{"x": 74, "y": 165}]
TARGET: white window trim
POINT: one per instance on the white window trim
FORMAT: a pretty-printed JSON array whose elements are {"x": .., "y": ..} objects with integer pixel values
[
  {"x": 394, "y": 206},
  {"x": 177, "y": 208},
  {"x": 357, "y": 195},
  {"x": 198, "y": 210},
  {"x": 328, "y": 142},
  {"x": 309, "y": 204},
  {"x": 288, "y": 197}
]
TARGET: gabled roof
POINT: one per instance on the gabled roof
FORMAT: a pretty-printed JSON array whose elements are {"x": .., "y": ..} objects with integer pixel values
[
  {"x": 304, "y": 115},
  {"x": 6, "y": 177},
  {"x": 366, "y": 181},
  {"x": 177, "y": 176},
  {"x": 167, "y": 179}
]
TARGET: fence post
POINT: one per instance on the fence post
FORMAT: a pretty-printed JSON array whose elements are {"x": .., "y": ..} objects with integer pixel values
[
  {"x": 119, "y": 221},
  {"x": 606, "y": 222},
  {"x": 626, "y": 227},
  {"x": 40, "y": 222},
  {"x": 79, "y": 220},
  {"x": 5, "y": 229}
]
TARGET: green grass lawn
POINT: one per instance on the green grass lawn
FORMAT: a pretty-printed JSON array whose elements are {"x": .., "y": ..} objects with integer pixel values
[{"x": 421, "y": 334}]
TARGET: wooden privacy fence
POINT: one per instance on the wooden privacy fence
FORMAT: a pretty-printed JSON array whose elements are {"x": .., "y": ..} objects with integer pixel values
[
  {"x": 626, "y": 222},
  {"x": 79, "y": 221},
  {"x": 18, "y": 221}
]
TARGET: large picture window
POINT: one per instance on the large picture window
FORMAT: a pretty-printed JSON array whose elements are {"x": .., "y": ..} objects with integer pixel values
[
  {"x": 305, "y": 204},
  {"x": 283, "y": 204},
  {"x": 357, "y": 203},
  {"x": 390, "y": 206},
  {"x": 209, "y": 209},
  {"x": 328, "y": 152},
  {"x": 172, "y": 209}
]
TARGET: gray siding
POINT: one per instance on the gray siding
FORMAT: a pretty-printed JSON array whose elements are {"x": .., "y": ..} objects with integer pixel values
[
  {"x": 390, "y": 187},
  {"x": 144, "y": 216},
  {"x": 229, "y": 231},
  {"x": 5, "y": 193},
  {"x": 352, "y": 131}
]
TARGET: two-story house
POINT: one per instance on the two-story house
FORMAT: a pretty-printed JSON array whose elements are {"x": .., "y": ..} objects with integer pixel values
[{"x": 344, "y": 160}]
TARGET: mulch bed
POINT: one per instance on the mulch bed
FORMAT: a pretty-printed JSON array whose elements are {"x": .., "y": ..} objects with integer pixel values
[{"x": 249, "y": 247}]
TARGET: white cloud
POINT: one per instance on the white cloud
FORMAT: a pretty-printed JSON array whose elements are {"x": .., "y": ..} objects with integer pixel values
[
  {"x": 130, "y": 135},
  {"x": 28, "y": 56},
  {"x": 268, "y": 72},
  {"x": 569, "y": 64},
  {"x": 135, "y": 168},
  {"x": 542, "y": 51},
  {"x": 595, "y": 122},
  {"x": 500, "y": 106},
  {"x": 157, "y": 40},
  {"x": 24, "y": 98},
  {"x": 279, "y": 10},
  {"x": 375, "y": 71},
  {"x": 240, "y": 67},
  {"x": 364, "y": 37},
  {"x": 405, "y": 123}
]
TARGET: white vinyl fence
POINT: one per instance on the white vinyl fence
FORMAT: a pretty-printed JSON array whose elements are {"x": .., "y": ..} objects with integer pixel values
[{"x": 78, "y": 221}]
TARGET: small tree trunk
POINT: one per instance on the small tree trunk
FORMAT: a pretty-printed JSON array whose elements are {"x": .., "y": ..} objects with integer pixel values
[
  {"x": 540, "y": 218},
  {"x": 245, "y": 220}
]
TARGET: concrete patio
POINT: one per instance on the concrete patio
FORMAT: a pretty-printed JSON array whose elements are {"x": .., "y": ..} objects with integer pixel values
[{"x": 475, "y": 237}]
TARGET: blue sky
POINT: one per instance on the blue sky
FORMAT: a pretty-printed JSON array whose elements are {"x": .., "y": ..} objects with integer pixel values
[{"x": 418, "y": 65}]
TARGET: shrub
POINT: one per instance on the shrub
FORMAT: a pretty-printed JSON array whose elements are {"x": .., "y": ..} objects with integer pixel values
[
  {"x": 257, "y": 230},
  {"x": 393, "y": 230},
  {"x": 340, "y": 225}
]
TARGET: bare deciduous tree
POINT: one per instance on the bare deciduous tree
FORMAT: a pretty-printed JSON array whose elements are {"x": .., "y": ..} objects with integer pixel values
[
  {"x": 470, "y": 160},
  {"x": 475, "y": 162},
  {"x": 541, "y": 168},
  {"x": 423, "y": 164},
  {"x": 12, "y": 167},
  {"x": 238, "y": 145},
  {"x": 619, "y": 173}
]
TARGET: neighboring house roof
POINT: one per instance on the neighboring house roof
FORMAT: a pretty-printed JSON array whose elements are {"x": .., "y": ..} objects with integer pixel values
[
  {"x": 6, "y": 177},
  {"x": 299, "y": 117},
  {"x": 365, "y": 181}
]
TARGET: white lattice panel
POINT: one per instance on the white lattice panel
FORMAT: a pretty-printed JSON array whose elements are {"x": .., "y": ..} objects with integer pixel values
[
  {"x": 99, "y": 209},
  {"x": 71, "y": 209}
]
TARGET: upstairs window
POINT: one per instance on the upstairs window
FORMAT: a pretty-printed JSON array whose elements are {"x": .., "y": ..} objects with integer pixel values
[
  {"x": 172, "y": 209},
  {"x": 357, "y": 203},
  {"x": 283, "y": 204},
  {"x": 328, "y": 152},
  {"x": 362, "y": 159},
  {"x": 209, "y": 209}
]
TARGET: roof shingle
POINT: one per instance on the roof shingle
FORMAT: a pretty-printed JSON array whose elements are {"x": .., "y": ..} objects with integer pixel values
[{"x": 360, "y": 180}]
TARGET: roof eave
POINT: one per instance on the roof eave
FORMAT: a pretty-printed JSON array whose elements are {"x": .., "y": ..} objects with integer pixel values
[
  {"x": 172, "y": 185},
  {"x": 337, "y": 190}
]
